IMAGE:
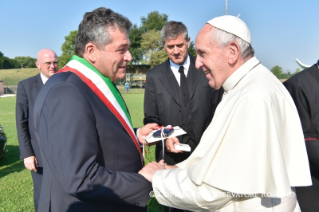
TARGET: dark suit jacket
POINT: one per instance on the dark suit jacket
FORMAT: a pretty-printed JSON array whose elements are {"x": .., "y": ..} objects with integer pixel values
[
  {"x": 90, "y": 161},
  {"x": 304, "y": 88},
  {"x": 26, "y": 94},
  {"x": 162, "y": 104}
]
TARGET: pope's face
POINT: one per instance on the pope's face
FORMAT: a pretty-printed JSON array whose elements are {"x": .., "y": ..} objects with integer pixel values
[
  {"x": 176, "y": 49},
  {"x": 211, "y": 58},
  {"x": 113, "y": 58}
]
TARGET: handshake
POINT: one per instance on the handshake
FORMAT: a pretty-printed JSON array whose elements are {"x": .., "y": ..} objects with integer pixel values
[
  {"x": 149, "y": 170},
  {"x": 146, "y": 132}
]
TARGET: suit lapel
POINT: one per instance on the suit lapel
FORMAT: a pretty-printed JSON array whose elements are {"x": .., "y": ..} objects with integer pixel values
[
  {"x": 168, "y": 80},
  {"x": 193, "y": 77}
]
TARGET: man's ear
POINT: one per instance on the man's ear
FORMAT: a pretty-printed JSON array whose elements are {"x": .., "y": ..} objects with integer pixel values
[
  {"x": 90, "y": 52},
  {"x": 234, "y": 53},
  {"x": 37, "y": 63},
  {"x": 188, "y": 42}
]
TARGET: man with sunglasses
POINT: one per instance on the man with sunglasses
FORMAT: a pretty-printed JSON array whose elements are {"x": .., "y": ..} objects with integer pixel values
[{"x": 27, "y": 92}]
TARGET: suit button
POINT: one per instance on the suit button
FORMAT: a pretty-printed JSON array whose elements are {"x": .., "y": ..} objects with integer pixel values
[
  {"x": 185, "y": 105},
  {"x": 180, "y": 111}
]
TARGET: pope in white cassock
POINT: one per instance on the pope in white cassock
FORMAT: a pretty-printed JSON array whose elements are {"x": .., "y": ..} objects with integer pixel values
[{"x": 252, "y": 154}]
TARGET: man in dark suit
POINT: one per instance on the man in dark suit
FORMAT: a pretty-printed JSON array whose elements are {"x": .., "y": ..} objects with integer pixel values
[
  {"x": 303, "y": 88},
  {"x": 26, "y": 94},
  {"x": 178, "y": 94},
  {"x": 168, "y": 102},
  {"x": 90, "y": 152}
]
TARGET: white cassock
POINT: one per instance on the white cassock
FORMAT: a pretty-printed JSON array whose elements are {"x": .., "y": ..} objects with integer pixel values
[{"x": 249, "y": 157}]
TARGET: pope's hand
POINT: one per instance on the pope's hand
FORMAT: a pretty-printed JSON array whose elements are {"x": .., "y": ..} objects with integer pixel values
[
  {"x": 149, "y": 170},
  {"x": 31, "y": 163},
  {"x": 170, "y": 145},
  {"x": 144, "y": 131}
]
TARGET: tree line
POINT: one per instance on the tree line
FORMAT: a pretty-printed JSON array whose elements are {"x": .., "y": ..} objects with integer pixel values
[
  {"x": 17, "y": 62},
  {"x": 146, "y": 47},
  {"x": 277, "y": 71},
  {"x": 146, "y": 44}
]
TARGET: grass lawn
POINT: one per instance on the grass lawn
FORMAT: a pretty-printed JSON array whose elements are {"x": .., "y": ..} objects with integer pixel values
[
  {"x": 15, "y": 181},
  {"x": 14, "y": 76}
]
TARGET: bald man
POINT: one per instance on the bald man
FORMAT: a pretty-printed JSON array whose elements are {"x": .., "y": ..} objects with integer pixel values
[{"x": 27, "y": 92}]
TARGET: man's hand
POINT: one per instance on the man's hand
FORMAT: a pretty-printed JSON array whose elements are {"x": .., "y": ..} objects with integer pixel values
[
  {"x": 170, "y": 145},
  {"x": 170, "y": 166},
  {"x": 149, "y": 170},
  {"x": 31, "y": 163},
  {"x": 144, "y": 131}
]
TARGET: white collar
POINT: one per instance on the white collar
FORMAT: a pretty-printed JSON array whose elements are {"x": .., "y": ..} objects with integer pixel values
[
  {"x": 175, "y": 67},
  {"x": 241, "y": 72},
  {"x": 43, "y": 78}
]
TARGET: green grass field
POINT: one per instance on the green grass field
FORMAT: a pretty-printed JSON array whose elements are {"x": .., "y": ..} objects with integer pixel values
[
  {"x": 15, "y": 181},
  {"x": 14, "y": 76}
]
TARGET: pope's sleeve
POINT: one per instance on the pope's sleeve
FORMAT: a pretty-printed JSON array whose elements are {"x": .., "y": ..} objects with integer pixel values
[{"x": 175, "y": 189}]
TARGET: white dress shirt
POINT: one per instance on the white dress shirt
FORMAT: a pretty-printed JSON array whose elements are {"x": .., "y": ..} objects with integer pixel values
[
  {"x": 175, "y": 68},
  {"x": 43, "y": 78}
]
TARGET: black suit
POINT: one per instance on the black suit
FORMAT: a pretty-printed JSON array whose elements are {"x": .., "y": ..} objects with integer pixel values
[
  {"x": 26, "y": 95},
  {"x": 90, "y": 161},
  {"x": 303, "y": 88},
  {"x": 163, "y": 105}
]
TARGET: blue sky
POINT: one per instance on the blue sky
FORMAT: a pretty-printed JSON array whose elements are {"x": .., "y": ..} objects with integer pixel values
[{"x": 281, "y": 30}]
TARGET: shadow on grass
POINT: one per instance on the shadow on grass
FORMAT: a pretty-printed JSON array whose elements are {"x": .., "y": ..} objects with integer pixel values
[{"x": 11, "y": 162}]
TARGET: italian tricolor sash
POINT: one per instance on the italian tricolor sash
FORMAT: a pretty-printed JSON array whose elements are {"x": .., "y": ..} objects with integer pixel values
[{"x": 104, "y": 88}]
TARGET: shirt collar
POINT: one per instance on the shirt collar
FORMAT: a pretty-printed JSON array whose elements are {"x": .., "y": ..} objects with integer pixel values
[
  {"x": 43, "y": 78},
  {"x": 241, "y": 72},
  {"x": 176, "y": 66}
]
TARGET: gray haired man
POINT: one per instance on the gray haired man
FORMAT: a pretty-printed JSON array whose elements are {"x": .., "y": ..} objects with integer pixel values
[
  {"x": 90, "y": 151},
  {"x": 178, "y": 94}
]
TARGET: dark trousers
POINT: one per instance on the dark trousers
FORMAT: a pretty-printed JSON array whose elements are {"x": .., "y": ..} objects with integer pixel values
[
  {"x": 308, "y": 196},
  {"x": 37, "y": 182}
]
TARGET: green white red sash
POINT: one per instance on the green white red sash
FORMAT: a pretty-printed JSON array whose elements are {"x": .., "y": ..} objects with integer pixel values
[{"x": 104, "y": 88}]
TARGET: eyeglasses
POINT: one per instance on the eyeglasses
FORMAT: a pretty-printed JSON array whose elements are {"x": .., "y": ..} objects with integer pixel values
[{"x": 55, "y": 63}]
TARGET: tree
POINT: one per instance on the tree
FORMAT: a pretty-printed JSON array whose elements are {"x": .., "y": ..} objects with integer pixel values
[
  {"x": 152, "y": 47},
  {"x": 6, "y": 62},
  {"x": 191, "y": 49},
  {"x": 27, "y": 62},
  {"x": 135, "y": 39},
  {"x": 68, "y": 48},
  {"x": 277, "y": 71},
  {"x": 158, "y": 57},
  {"x": 154, "y": 21},
  {"x": 297, "y": 71}
]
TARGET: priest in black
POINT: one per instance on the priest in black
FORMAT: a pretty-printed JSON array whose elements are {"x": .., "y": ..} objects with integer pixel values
[{"x": 304, "y": 89}]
